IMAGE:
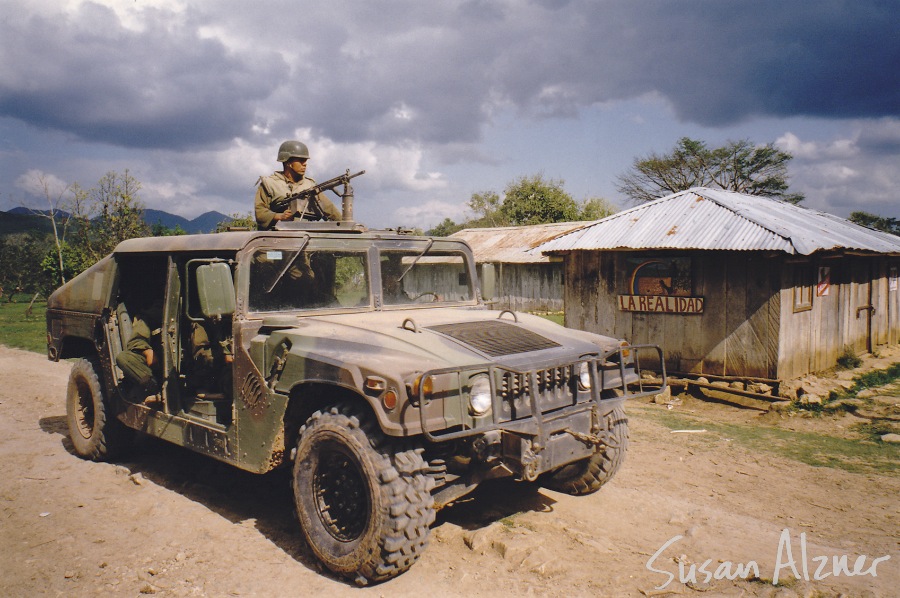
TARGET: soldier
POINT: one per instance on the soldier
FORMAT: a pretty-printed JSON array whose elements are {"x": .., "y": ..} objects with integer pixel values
[
  {"x": 140, "y": 361},
  {"x": 212, "y": 360},
  {"x": 291, "y": 179}
]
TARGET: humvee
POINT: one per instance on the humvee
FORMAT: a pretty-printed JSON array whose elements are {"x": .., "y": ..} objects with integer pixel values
[{"x": 365, "y": 360}]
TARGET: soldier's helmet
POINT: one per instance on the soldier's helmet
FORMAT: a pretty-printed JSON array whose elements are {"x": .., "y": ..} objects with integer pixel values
[{"x": 292, "y": 149}]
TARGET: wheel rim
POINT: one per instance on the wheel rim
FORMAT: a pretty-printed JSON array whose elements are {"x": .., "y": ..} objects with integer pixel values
[
  {"x": 84, "y": 410},
  {"x": 341, "y": 494}
]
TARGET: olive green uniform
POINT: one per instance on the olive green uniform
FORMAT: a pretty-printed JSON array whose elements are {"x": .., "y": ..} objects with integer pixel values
[
  {"x": 132, "y": 361},
  {"x": 277, "y": 186},
  {"x": 211, "y": 369}
]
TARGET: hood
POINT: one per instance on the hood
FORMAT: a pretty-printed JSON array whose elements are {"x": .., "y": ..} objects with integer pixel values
[{"x": 437, "y": 338}]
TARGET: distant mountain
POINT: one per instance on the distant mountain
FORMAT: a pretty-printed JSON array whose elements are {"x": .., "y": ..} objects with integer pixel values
[
  {"x": 14, "y": 221},
  {"x": 20, "y": 220},
  {"x": 204, "y": 223}
]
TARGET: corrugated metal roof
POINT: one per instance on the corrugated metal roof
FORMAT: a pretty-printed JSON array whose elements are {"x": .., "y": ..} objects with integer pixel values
[
  {"x": 513, "y": 244},
  {"x": 702, "y": 218}
]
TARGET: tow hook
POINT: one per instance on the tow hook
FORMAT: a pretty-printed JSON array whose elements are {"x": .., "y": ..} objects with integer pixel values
[{"x": 602, "y": 439}]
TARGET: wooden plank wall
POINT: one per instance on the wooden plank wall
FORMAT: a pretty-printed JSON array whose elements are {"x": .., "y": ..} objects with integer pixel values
[
  {"x": 737, "y": 334},
  {"x": 749, "y": 327},
  {"x": 531, "y": 287},
  {"x": 812, "y": 341}
]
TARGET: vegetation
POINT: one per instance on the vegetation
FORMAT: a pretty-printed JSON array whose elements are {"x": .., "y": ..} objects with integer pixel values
[
  {"x": 237, "y": 221},
  {"x": 737, "y": 166},
  {"x": 848, "y": 359},
  {"x": 24, "y": 330},
  {"x": 888, "y": 225},
  {"x": 526, "y": 200},
  {"x": 817, "y": 450}
]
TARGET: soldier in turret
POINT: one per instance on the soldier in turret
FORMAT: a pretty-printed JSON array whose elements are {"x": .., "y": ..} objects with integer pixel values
[{"x": 293, "y": 156}]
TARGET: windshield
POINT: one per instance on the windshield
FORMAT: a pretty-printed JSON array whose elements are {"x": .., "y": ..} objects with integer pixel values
[
  {"x": 425, "y": 276},
  {"x": 290, "y": 280}
]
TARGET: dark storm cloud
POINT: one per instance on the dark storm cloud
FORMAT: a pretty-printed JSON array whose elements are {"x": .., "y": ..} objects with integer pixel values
[
  {"x": 85, "y": 73},
  {"x": 721, "y": 62},
  {"x": 717, "y": 62},
  {"x": 437, "y": 73}
]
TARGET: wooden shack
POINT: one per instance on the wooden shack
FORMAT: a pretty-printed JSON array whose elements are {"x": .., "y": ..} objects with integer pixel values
[
  {"x": 523, "y": 279},
  {"x": 732, "y": 284}
]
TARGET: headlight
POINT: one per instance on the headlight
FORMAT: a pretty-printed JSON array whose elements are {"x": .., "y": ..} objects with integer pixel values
[
  {"x": 584, "y": 376},
  {"x": 480, "y": 395}
]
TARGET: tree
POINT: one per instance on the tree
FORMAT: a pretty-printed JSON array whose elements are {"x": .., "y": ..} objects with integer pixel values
[
  {"x": 21, "y": 257},
  {"x": 99, "y": 219},
  {"x": 55, "y": 194},
  {"x": 445, "y": 228},
  {"x": 488, "y": 210},
  {"x": 882, "y": 223},
  {"x": 106, "y": 215},
  {"x": 237, "y": 221},
  {"x": 596, "y": 208},
  {"x": 532, "y": 200},
  {"x": 737, "y": 166},
  {"x": 161, "y": 230},
  {"x": 526, "y": 200}
]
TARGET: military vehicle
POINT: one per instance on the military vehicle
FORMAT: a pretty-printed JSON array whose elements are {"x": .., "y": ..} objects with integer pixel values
[{"x": 365, "y": 360}]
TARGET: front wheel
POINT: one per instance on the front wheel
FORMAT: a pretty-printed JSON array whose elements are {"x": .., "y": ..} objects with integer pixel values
[
  {"x": 588, "y": 475},
  {"x": 365, "y": 506},
  {"x": 95, "y": 432}
]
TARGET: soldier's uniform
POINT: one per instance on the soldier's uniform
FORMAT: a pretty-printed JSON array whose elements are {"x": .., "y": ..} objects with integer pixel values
[
  {"x": 132, "y": 361},
  {"x": 211, "y": 369},
  {"x": 277, "y": 186}
]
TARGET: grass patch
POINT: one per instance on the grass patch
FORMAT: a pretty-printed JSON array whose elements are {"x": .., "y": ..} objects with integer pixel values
[
  {"x": 19, "y": 330},
  {"x": 817, "y": 450},
  {"x": 872, "y": 379},
  {"x": 557, "y": 317}
]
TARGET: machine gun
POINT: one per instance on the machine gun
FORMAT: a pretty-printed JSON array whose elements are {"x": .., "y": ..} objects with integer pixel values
[{"x": 281, "y": 204}]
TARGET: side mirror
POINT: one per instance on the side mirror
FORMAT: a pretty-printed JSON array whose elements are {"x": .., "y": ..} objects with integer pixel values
[
  {"x": 488, "y": 282},
  {"x": 215, "y": 290}
]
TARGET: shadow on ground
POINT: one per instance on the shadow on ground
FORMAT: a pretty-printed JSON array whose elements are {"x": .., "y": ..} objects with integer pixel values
[{"x": 239, "y": 496}]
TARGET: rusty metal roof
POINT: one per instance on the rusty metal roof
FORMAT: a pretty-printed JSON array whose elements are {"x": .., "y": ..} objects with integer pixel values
[
  {"x": 713, "y": 219},
  {"x": 513, "y": 244}
]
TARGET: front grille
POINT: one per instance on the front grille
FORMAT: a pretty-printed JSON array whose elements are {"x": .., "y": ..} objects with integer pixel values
[
  {"x": 496, "y": 338},
  {"x": 556, "y": 387}
]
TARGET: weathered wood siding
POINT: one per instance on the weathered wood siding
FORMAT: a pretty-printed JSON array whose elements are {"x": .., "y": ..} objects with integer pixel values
[
  {"x": 530, "y": 287},
  {"x": 737, "y": 333},
  {"x": 749, "y": 326},
  {"x": 812, "y": 340}
]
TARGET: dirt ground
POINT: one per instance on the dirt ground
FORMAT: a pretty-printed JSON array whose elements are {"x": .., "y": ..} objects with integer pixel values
[{"x": 170, "y": 522}]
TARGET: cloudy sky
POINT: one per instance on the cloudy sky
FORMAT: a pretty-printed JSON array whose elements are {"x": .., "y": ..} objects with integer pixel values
[{"x": 439, "y": 100}]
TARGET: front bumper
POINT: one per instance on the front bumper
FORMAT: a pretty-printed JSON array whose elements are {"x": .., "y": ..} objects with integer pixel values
[{"x": 542, "y": 420}]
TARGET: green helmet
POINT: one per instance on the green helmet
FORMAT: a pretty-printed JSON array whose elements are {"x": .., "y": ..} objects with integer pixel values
[{"x": 292, "y": 149}]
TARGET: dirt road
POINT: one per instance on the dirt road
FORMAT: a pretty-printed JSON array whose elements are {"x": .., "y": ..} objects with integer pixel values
[{"x": 172, "y": 523}]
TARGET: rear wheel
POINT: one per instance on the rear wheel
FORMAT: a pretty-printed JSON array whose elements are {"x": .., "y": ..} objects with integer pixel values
[
  {"x": 588, "y": 475},
  {"x": 95, "y": 432},
  {"x": 364, "y": 504}
]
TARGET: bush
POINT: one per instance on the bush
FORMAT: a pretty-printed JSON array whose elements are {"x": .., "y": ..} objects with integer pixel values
[{"x": 848, "y": 359}]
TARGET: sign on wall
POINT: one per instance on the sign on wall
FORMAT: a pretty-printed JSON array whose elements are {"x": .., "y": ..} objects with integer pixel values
[
  {"x": 660, "y": 285},
  {"x": 824, "y": 284}
]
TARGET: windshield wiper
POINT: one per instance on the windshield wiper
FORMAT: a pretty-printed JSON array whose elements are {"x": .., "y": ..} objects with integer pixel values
[
  {"x": 424, "y": 251},
  {"x": 288, "y": 265}
]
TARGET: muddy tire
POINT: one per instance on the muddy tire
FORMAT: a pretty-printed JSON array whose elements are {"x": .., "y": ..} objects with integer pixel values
[
  {"x": 95, "y": 432},
  {"x": 364, "y": 503},
  {"x": 588, "y": 475}
]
